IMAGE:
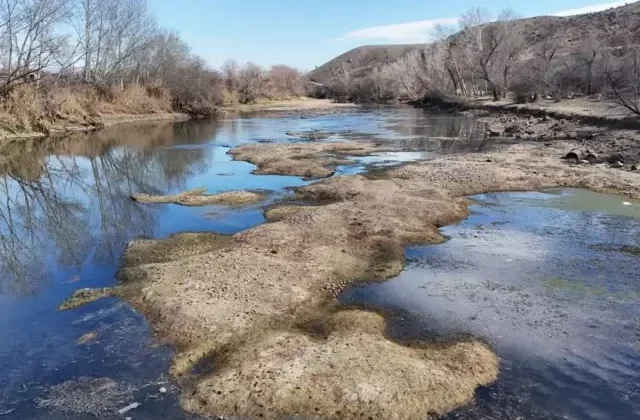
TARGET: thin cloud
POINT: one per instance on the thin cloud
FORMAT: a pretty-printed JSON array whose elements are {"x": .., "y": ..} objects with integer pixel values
[
  {"x": 590, "y": 9},
  {"x": 421, "y": 31},
  {"x": 403, "y": 32}
]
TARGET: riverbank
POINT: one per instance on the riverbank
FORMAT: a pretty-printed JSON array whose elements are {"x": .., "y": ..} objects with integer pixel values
[
  {"x": 64, "y": 126},
  {"x": 586, "y": 111},
  {"x": 608, "y": 131},
  {"x": 241, "y": 308}
]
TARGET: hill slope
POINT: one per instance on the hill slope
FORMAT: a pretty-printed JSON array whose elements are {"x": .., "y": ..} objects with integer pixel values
[
  {"x": 360, "y": 61},
  {"x": 610, "y": 27}
]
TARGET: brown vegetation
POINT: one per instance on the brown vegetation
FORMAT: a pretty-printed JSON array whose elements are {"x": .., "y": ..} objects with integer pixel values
[
  {"x": 556, "y": 57},
  {"x": 309, "y": 161},
  {"x": 69, "y": 62},
  {"x": 258, "y": 332},
  {"x": 198, "y": 197}
]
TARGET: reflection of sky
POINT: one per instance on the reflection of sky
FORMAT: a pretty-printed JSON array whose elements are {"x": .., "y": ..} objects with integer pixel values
[
  {"x": 81, "y": 216},
  {"x": 512, "y": 240},
  {"x": 538, "y": 276}
]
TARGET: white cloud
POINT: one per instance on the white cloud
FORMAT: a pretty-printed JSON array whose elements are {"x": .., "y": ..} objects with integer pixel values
[
  {"x": 421, "y": 31},
  {"x": 590, "y": 9},
  {"x": 404, "y": 32}
]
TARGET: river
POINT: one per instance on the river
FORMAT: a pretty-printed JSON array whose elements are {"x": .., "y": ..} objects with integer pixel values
[{"x": 66, "y": 216}]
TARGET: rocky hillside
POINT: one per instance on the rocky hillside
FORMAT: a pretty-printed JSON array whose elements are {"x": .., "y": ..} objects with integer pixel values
[
  {"x": 359, "y": 62},
  {"x": 611, "y": 28}
]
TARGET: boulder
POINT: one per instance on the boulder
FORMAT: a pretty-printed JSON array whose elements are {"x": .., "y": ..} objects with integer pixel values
[{"x": 615, "y": 158}]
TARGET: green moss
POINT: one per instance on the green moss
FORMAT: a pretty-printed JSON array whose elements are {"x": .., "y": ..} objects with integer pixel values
[
  {"x": 85, "y": 296},
  {"x": 557, "y": 283},
  {"x": 579, "y": 288}
]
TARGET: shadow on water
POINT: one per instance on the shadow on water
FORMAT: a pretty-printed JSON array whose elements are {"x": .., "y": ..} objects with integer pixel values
[
  {"x": 548, "y": 280},
  {"x": 66, "y": 217}
]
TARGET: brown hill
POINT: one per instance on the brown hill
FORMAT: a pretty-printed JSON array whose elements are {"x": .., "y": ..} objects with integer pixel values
[
  {"x": 359, "y": 62},
  {"x": 611, "y": 28}
]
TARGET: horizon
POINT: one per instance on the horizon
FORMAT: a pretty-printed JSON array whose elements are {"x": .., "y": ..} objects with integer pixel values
[{"x": 306, "y": 36}]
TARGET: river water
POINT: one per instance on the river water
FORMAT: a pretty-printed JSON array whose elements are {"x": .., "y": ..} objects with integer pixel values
[{"x": 66, "y": 217}]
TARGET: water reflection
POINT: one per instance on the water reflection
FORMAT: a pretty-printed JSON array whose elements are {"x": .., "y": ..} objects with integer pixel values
[
  {"x": 66, "y": 201},
  {"x": 66, "y": 216},
  {"x": 549, "y": 279}
]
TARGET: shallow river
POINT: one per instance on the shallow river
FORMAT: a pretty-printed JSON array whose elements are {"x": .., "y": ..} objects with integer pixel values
[{"x": 549, "y": 278}]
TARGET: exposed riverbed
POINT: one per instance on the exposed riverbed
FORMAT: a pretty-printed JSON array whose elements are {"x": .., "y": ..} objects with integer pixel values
[{"x": 70, "y": 217}]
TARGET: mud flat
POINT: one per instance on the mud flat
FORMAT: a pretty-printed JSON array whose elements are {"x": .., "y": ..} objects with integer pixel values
[
  {"x": 198, "y": 197},
  {"x": 289, "y": 105},
  {"x": 258, "y": 331},
  {"x": 311, "y": 161}
]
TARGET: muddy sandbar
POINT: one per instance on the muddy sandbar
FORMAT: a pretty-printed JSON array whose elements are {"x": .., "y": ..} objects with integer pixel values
[
  {"x": 311, "y": 161},
  {"x": 198, "y": 197},
  {"x": 253, "y": 316}
]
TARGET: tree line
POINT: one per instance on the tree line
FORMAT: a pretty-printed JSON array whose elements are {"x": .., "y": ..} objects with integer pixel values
[
  {"x": 110, "y": 46},
  {"x": 495, "y": 56}
]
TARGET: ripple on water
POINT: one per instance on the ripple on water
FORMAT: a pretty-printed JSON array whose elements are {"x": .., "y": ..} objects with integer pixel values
[{"x": 544, "y": 277}]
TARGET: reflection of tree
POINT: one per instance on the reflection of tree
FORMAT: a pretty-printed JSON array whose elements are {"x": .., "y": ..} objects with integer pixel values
[
  {"x": 66, "y": 202},
  {"x": 420, "y": 124}
]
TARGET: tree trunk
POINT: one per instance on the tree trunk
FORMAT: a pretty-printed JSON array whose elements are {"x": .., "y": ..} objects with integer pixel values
[
  {"x": 87, "y": 41},
  {"x": 453, "y": 80},
  {"x": 494, "y": 92}
]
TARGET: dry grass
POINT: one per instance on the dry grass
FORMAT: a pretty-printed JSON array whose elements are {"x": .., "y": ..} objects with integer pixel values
[
  {"x": 309, "y": 161},
  {"x": 134, "y": 100},
  {"x": 198, "y": 197},
  {"x": 257, "y": 331},
  {"x": 230, "y": 97},
  {"x": 26, "y": 110}
]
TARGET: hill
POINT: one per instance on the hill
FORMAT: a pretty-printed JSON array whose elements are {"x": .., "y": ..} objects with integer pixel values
[
  {"x": 610, "y": 28},
  {"x": 360, "y": 61}
]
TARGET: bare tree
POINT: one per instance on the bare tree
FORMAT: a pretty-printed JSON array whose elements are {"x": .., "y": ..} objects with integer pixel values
[
  {"x": 623, "y": 77},
  {"x": 284, "y": 80},
  {"x": 230, "y": 73},
  {"x": 510, "y": 53},
  {"x": 406, "y": 74},
  {"x": 445, "y": 36},
  {"x": 544, "y": 59},
  {"x": 341, "y": 84},
  {"x": 491, "y": 49},
  {"x": 31, "y": 38},
  {"x": 470, "y": 41},
  {"x": 588, "y": 54},
  {"x": 112, "y": 34},
  {"x": 252, "y": 82}
]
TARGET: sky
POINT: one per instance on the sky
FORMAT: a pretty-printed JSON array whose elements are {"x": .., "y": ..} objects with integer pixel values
[{"x": 307, "y": 33}]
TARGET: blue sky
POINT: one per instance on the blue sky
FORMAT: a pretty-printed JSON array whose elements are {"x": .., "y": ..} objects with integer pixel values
[{"x": 307, "y": 33}]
